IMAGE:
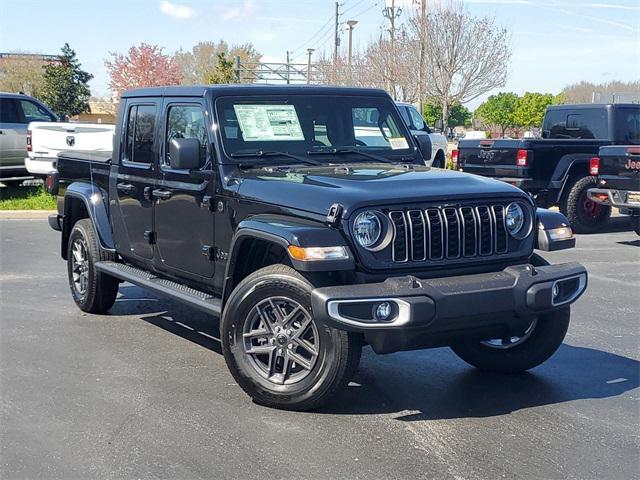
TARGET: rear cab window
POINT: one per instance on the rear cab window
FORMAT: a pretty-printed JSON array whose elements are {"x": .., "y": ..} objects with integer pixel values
[
  {"x": 627, "y": 125},
  {"x": 586, "y": 124},
  {"x": 139, "y": 142},
  {"x": 9, "y": 112}
]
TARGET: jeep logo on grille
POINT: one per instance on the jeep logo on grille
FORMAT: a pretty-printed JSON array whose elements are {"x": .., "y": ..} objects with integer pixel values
[{"x": 71, "y": 140}]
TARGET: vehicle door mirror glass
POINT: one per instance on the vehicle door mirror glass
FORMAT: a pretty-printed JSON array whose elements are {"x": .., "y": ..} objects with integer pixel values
[
  {"x": 184, "y": 153},
  {"x": 438, "y": 124},
  {"x": 424, "y": 145}
]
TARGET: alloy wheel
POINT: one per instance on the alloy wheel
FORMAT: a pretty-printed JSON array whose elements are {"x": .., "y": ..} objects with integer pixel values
[
  {"x": 281, "y": 340},
  {"x": 80, "y": 266}
]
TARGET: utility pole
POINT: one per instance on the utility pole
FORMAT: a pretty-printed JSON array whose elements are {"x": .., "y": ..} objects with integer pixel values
[
  {"x": 391, "y": 13},
  {"x": 288, "y": 80},
  {"x": 423, "y": 39},
  {"x": 309, "y": 52},
  {"x": 350, "y": 25},
  {"x": 336, "y": 38}
]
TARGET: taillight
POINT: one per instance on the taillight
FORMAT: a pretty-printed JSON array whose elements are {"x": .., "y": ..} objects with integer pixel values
[
  {"x": 29, "y": 147},
  {"x": 594, "y": 166},
  {"x": 455, "y": 154},
  {"x": 522, "y": 158}
]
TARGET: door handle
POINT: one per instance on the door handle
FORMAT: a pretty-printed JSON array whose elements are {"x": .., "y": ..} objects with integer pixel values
[
  {"x": 162, "y": 194},
  {"x": 126, "y": 188}
]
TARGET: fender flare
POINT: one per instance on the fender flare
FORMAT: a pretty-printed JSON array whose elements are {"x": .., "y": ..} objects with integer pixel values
[
  {"x": 285, "y": 231},
  {"x": 565, "y": 166},
  {"x": 94, "y": 199}
]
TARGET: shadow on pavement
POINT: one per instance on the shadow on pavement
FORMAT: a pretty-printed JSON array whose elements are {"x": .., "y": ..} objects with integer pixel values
[
  {"x": 619, "y": 223},
  {"x": 430, "y": 384},
  {"x": 573, "y": 373}
]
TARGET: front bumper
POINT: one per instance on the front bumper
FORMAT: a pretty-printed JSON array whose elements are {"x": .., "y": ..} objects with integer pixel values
[
  {"x": 614, "y": 198},
  {"x": 436, "y": 312}
]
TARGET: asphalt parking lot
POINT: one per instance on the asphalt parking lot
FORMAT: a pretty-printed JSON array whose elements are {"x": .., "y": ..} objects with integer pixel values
[{"x": 144, "y": 392}]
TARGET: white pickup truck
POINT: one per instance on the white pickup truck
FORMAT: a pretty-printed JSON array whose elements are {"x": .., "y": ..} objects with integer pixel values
[
  {"x": 46, "y": 139},
  {"x": 416, "y": 123}
]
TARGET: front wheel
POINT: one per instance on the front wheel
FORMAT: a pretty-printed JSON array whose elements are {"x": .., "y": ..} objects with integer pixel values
[
  {"x": 635, "y": 223},
  {"x": 276, "y": 351},
  {"x": 514, "y": 354}
]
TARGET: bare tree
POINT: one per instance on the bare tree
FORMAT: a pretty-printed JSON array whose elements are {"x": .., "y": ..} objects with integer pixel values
[
  {"x": 22, "y": 74},
  {"x": 465, "y": 56},
  {"x": 583, "y": 92}
]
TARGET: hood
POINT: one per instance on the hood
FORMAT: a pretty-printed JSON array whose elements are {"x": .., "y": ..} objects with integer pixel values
[{"x": 315, "y": 189}]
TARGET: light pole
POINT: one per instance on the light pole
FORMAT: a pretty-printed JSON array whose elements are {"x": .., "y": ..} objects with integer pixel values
[
  {"x": 309, "y": 52},
  {"x": 350, "y": 25}
]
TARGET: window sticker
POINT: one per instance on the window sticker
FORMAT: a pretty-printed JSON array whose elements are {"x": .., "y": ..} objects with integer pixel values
[
  {"x": 267, "y": 123},
  {"x": 398, "y": 143}
]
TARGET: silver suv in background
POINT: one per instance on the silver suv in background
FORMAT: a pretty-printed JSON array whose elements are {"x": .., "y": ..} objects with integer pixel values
[{"x": 16, "y": 111}]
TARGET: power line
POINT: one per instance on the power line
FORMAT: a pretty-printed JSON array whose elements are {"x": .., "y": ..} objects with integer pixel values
[{"x": 318, "y": 32}]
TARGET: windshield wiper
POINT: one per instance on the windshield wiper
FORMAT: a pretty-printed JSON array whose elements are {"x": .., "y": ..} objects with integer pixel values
[
  {"x": 348, "y": 150},
  {"x": 264, "y": 154}
]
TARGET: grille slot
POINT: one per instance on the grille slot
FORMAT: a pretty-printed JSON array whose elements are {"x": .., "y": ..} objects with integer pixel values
[{"x": 437, "y": 234}]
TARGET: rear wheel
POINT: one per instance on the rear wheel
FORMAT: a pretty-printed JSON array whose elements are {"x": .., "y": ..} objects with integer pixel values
[
  {"x": 439, "y": 160},
  {"x": 93, "y": 292},
  {"x": 585, "y": 215},
  {"x": 635, "y": 223},
  {"x": 275, "y": 349},
  {"x": 513, "y": 354}
]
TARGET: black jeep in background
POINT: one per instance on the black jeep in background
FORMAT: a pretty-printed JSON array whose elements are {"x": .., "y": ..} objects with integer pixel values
[
  {"x": 618, "y": 178},
  {"x": 305, "y": 220},
  {"x": 555, "y": 168}
]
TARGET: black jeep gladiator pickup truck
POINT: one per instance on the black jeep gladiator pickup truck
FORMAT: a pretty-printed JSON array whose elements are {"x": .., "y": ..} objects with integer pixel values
[
  {"x": 555, "y": 168},
  {"x": 618, "y": 178},
  {"x": 305, "y": 220}
]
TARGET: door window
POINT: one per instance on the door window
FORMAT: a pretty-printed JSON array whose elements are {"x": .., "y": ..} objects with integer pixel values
[
  {"x": 186, "y": 121},
  {"x": 416, "y": 119},
  {"x": 141, "y": 123},
  {"x": 9, "y": 111},
  {"x": 371, "y": 130},
  {"x": 34, "y": 112}
]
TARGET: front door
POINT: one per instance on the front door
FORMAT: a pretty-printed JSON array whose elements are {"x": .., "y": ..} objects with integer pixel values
[
  {"x": 135, "y": 179},
  {"x": 183, "y": 221}
]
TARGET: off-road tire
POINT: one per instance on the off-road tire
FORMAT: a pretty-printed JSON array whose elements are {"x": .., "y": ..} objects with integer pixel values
[
  {"x": 439, "y": 161},
  {"x": 101, "y": 289},
  {"x": 545, "y": 339},
  {"x": 573, "y": 206},
  {"x": 338, "y": 351}
]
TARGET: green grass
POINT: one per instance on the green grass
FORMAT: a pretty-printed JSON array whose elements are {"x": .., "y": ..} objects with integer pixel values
[{"x": 26, "y": 198}]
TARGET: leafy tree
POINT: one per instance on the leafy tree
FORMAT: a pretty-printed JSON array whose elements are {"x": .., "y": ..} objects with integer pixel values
[
  {"x": 22, "y": 74},
  {"x": 224, "y": 73},
  {"x": 65, "y": 87},
  {"x": 144, "y": 66},
  {"x": 531, "y": 107},
  {"x": 199, "y": 64},
  {"x": 459, "y": 115},
  {"x": 499, "y": 110}
]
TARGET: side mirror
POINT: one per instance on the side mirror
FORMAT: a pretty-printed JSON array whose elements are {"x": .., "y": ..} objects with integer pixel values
[
  {"x": 184, "y": 153},
  {"x": 424, "y": 145},
  {"x": 438, "y": 124}
]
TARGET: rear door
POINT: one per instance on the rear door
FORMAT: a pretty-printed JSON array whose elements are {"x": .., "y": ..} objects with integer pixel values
[
  {"x": 183, "y": 222},
  {"x": 135, "y": 179},
  {"x": 13, "y": 134}
]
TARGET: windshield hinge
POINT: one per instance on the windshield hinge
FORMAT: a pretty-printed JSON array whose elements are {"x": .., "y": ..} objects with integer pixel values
[{"x": 335, "y": 212}]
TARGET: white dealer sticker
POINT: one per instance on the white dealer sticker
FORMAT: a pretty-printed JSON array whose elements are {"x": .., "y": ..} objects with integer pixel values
[
  {"x": 398, "y": 143},
  {"x": 267, "y": 123}
]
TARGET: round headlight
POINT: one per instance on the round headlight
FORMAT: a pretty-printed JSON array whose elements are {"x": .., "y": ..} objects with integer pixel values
[
  {"x": 367, "y": 229},
  {"x": 515, "y": 220}
]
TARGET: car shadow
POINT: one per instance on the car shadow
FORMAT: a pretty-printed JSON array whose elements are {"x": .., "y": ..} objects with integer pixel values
[
  {"x": 411, "y": 388},
  {"x": 425, "y": 384},
  {"x": 617, "y": 224}
]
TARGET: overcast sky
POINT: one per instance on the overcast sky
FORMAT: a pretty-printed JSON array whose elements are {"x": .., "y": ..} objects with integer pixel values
[{"x": 554, "y": 42}]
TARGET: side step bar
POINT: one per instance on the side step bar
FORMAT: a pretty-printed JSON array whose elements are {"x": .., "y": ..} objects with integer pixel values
[{"x": 202, "y": 301}]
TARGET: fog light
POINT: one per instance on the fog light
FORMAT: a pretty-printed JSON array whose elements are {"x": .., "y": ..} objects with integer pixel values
[{"x": 383, "y": 311}]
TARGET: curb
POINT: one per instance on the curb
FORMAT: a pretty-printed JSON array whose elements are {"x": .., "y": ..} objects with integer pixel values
[{"x": 25, "y": 214}]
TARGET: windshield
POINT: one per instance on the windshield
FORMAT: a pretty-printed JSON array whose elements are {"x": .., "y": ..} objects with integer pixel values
[{"x": 310, "y": 124}]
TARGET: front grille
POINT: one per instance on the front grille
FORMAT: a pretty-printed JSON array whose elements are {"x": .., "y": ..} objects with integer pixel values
[{"x": 436, "y": 233}]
